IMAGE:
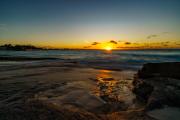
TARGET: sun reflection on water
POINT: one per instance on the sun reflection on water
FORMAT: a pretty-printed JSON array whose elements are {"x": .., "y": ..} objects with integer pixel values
[
  {"x": 110, "y": 88},
  {"x": 106, "y": 84}
]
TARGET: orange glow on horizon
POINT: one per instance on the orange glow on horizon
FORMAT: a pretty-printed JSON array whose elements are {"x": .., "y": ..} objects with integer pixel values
[
  {"x": 108, "y": 48},
  {"x": 102, "y": 45}
]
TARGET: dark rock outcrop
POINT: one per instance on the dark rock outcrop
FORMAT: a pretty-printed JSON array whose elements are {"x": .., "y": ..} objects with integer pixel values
[
  {"x": 158, "y": 84},
  {"x": 166, "y": 69}
]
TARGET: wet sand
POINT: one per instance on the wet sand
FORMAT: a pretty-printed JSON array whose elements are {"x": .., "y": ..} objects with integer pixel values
[{"x": 58, "y": 90}]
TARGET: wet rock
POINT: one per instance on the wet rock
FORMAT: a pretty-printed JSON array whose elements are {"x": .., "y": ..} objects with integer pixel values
[
  {"x": 167, "y": 113},
  {"x": 143, "y": 90},
  {"x": 111, "y": 107},
  {"x": 158, "y": 85},
  {"x": 40, "y": 110},
  {"x": 167, "y": 69},
  {"x": 108, "y": 79}
]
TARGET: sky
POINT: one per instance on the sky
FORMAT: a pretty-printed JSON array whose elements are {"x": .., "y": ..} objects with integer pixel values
[{"x": 91, "y": 24}]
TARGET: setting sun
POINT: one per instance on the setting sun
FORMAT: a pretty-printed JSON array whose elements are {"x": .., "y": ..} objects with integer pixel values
[
  {"x": 90, "y": 59},
  {"x": 108, "y": 48}
]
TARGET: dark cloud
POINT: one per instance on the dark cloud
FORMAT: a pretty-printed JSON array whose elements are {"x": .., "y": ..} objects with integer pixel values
[
  {"x": 152, "y": 36},
  {"x": 167, "y": 42},
  {"x": 113, "y": 42},
  {"x": 127, "y": 43},
  {"x": 129, "y": 47},
  {"x": 95, "y": 43},
  {"x": 177, "y": 43},
  {"x": 87, "y": 46},
  {"x": 165, "y": 45}
]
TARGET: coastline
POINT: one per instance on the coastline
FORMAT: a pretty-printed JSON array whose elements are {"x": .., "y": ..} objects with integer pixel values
[
  {"x": 96, "y": 92},
  {"x": 64, "y": 89}
]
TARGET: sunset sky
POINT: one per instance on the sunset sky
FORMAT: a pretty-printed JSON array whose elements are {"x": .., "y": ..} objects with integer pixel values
[{"x": 89, "y": 24}]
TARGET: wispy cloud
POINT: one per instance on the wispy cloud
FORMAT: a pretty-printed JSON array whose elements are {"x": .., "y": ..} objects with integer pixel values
[
  {"x": 129, "y": 47},
  {"x": 87, "y": 46},
  {"x": 152, "y": 36},
  {"x": 165, "y": 45},
  {"x": 95, "y": 43},
  {"x": 156, "y": 35},
  {"x": 177, "y": 44},
  {"x": 165, "y": 32},
  {"x": 3, "y": 27},
  {"x": 136, "y": 43}
]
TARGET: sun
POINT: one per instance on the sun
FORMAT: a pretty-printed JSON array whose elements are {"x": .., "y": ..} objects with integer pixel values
[{"x": 108, "y": 48}]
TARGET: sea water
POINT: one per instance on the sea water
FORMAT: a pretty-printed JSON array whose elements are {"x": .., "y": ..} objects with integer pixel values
[{"x": 128, "y": 58}]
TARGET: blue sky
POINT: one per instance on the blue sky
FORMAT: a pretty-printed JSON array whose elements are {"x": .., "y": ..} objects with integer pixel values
[{"x": 75, "y": 23}]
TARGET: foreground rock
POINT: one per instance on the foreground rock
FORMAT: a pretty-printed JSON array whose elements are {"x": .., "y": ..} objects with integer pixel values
[
  {"x": 166, "y": 69},
  {"x": 158, "y": 85}
]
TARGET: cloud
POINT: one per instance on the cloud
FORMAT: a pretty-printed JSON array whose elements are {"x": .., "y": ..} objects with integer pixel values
[
  {"x": 127, "y": 43},
  {"x": 156, "y": 35},
  {"x": 165, "y": 32},
  {"x": 3, "y": 27},
  {"x": 165, "y": 45},
  {"x": 177, "y": 43},
  {"x": 167, "y": 42},
  {"x": 152, "y": 36},
  {"x": 113, "y": 42},
  {"x": 86, "y": 41},
  {"x": 87, "y": 46},
  {"x": 129, "y": 47},
  {"x": 136, "y": 43},
  {"x": 95, "y": 43}
]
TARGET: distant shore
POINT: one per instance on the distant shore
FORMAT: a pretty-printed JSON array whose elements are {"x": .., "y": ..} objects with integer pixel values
[
  {"x": 17, "y": 47},
  {"x": 24, "y": 58}
]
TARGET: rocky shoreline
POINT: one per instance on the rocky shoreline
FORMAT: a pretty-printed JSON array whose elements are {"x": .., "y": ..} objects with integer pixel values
[
  {"x": 157, "y": 85},
  {"x": 57, "y": 91}
]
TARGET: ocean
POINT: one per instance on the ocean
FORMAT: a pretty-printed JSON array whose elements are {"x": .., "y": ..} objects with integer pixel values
[
  {"x": 89, "y": 82},
  {"x": 112, "y": 59}
]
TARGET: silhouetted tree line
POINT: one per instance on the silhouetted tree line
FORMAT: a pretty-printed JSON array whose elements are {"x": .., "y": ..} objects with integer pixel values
[{"x": 19, "y": 47}]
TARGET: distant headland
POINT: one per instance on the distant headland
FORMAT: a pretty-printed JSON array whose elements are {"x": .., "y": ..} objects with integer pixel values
[
  {"x": 26, "y": 47},
  {"x": 19, "y": 47}
]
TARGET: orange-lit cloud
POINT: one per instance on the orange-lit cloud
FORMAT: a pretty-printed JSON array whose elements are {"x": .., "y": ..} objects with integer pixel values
[
  {"x": 95, "y": 43},
  {"x": 86, "y": 47},
  {"x": 113, "y": 42},
  {"x": 127, "y": 43}
]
